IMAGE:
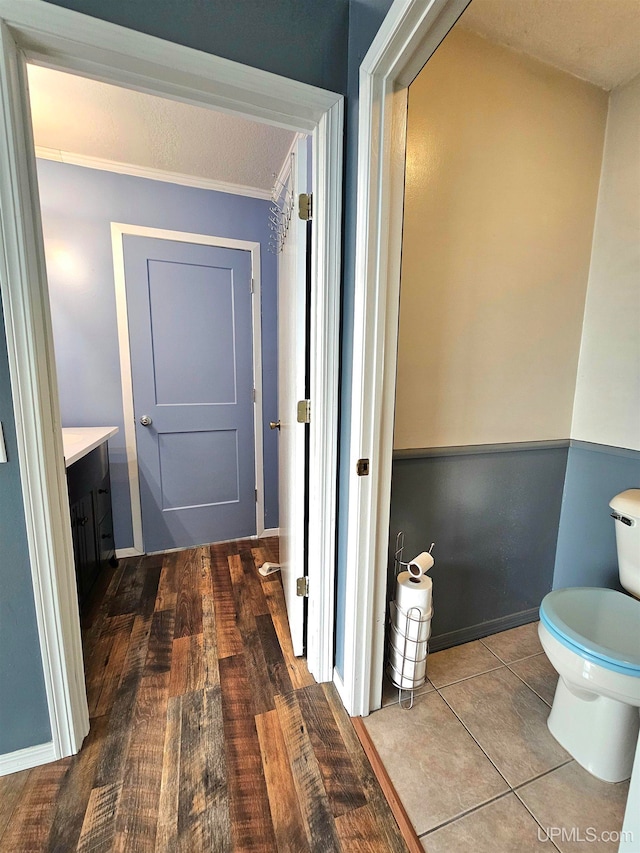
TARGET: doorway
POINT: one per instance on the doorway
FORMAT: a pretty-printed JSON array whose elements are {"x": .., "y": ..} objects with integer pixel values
[
  {"x": 401, "y": 48},
  {"x": 212, "y": 82},
  {"x": 143, "y": 168}
]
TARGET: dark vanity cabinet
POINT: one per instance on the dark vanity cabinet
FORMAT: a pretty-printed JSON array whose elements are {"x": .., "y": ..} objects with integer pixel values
[{"x": 91, "y": 518}]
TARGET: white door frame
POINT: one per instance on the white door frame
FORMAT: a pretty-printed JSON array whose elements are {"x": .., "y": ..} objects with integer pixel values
[
  {"x": 59, "y": 38},
  {"x": 410, "y": 33},
  {"x": 118, "y": 231}
]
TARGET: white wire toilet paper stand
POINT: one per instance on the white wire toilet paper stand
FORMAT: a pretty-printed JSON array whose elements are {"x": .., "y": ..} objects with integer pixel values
[{"x": 413, "y": 618}]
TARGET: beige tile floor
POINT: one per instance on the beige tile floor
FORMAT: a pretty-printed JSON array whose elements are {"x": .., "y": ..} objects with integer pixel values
[{"x": 475, "y": 765}]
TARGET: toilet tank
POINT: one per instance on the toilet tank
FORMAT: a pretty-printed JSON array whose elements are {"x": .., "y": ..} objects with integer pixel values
[{"x": 626, "y": 511}]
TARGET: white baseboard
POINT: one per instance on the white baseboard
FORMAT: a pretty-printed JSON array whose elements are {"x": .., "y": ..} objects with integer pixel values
[
  {"x": 272, "y": 531},
  {"x": 25, "y": 759},
  {"x": 123, "y": 553}
]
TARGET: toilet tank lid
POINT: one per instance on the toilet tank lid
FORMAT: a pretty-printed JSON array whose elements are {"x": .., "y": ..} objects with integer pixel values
[{"x": 627, "y": 503}]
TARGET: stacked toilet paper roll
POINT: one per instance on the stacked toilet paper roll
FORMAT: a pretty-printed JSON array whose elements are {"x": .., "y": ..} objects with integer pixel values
[{"x": 410, "y": 629}]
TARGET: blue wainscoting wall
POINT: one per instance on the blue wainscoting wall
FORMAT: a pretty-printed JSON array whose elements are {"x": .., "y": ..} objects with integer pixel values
[
  {"x": 24, "y": 719},
  {"x": 78, "y": 206},
  {"x": 586, "y": 553},
  {"x": 493, "y": 512}
]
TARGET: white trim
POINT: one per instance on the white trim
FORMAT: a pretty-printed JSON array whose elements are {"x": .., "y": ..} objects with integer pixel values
[
  {"x": 35, "y": 401},
  {"x": 338, "y": 683},
  {"x": 325, "y": 364},
  {"x": 256, "y": 327},
  {"x": 124, "y": 553},
  {"x": 270, "y": 531},
  {"x": 150, "y": 172},
  {"x": 25, "y": 759},
  {"x": 409, "y": 34},
  {"x": 69, "y": 41},
  {"x": 118, "y": 230}
]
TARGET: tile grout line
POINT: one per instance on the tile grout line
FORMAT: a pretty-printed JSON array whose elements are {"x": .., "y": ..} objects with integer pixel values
[
  {"x": 516, "y": 788},
  {"x": 468, "y": 677},
  {"x": 520, "y": 800},
  {"x": 511, "y": 787},
  {"x": 466, "y": 813},
  {"x": 517, "y": 660},
  {"x": 474, "y": 738},
  {"x": 548, "y": 704}
]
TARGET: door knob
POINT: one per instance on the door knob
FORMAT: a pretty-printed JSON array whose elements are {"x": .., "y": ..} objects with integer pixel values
[
  {"x": 274, "y": 424},
  {"x": 145, "y": 420}
]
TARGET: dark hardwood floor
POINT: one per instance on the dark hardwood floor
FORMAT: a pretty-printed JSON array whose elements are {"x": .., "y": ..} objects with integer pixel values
[{"x": 207, "y": 734}]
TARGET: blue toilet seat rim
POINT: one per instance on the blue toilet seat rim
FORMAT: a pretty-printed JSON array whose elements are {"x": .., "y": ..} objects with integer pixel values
[{"x": 589, "y": 654}]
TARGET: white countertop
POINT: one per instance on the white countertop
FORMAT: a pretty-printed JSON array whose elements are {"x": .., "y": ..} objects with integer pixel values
[{"x": 78, "y": 441}]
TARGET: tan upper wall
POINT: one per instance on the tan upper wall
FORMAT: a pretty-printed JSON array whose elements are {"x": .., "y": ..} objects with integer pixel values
[{"x": 503, "y": 165}]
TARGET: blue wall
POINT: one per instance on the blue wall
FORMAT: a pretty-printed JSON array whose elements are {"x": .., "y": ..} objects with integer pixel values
[
  {"x": 24, "y": 718},
  {"x": 305, "y": 40},
  {"x": 493, "y": 514},
  {"x": 586, "y": 553},
  {"x": 78, "y": 206}
]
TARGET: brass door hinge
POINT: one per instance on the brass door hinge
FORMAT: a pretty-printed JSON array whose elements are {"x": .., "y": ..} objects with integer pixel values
[
  {"x": 305, "y": 206},
  {"x": 362, "y": 467},
  {"x": 302, "y": 587},
  {"x": 304, "y": 411}
]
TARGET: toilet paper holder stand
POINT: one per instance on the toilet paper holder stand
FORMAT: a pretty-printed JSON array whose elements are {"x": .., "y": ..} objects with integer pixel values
[
  {"x": 399, "y": 565},
  {"x": 413, "y": 619},
  {"x": 404, "y": 677}
]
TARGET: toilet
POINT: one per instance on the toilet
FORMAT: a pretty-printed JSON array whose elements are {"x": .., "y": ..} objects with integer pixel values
[{"x": 592, "y": 639}]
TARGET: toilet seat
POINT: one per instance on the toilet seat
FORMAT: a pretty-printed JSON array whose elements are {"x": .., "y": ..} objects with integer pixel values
[{"x": 600, "y": 625}]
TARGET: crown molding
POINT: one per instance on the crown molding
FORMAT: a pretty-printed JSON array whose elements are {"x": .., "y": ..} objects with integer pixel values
[{"x": 149, "y": 172}]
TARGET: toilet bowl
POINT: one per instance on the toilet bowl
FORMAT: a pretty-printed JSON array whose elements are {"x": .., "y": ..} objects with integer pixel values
[{"x": 592, "y": 639}]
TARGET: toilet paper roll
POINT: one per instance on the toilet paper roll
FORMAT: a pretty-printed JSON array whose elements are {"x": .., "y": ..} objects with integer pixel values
[
  {"x": 411, "y": 649},
  {"x": 421, "y": 564},
  {"x": 412, "y": 592},
  {"x": 408, "y": 675}
]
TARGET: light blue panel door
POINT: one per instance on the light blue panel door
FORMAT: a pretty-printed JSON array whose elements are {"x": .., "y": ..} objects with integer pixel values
[{"x": 191, "y": 341}]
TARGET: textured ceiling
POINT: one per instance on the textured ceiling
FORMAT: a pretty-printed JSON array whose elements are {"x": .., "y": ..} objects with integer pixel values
[
  {"x": 89, "y": 118},
  {"x": 596, "y": 40}
]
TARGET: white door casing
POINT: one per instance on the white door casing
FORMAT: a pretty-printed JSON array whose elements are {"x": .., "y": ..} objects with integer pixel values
[
  {"x": 69, "y": 41},
  {"x": 38, "y": 428},
  {"x": 410, "y": 33},
  {"x": 292, "y": 286}
]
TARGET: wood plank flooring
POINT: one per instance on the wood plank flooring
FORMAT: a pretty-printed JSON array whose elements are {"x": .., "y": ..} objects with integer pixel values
[{"x": 207, "y": 734}]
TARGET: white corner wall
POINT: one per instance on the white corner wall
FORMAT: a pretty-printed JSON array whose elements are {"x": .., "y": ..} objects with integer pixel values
[{"x": 607, "y": 399}]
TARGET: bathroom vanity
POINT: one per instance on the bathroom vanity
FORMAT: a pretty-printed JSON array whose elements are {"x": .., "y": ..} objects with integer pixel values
[{"x": 89, "y": 486}]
